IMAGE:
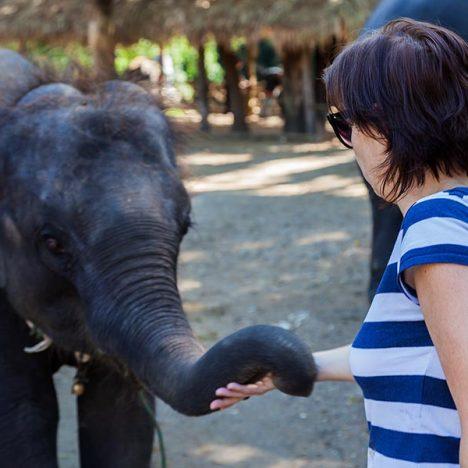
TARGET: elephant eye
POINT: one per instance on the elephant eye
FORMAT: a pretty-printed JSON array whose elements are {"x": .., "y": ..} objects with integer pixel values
[
  {"x": 53, "y": 245},
  {"x": 53, "y": 249}
]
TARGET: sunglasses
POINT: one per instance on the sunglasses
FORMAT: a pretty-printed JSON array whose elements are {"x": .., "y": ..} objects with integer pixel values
[{"x": 341, "y": 128}]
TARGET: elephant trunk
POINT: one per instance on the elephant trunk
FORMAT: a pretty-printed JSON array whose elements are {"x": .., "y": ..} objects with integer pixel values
[{"x": 135, "y": 314}]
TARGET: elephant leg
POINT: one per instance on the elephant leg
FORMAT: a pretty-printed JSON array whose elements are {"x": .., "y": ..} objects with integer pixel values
[
  {"x": 28, "y": 404},
  {"x": 115, "y": 429},
  {"x": 386, "y": 222}
]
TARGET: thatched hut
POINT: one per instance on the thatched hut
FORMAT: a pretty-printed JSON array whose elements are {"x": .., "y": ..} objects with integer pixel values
[
  {"x": 59, "y": 22},
  {"x": 54, "y": 21},
  {"x": 99, "y": 23},
  {"x": 306, "y": 32},
  {"x": 222, "y": 20}
]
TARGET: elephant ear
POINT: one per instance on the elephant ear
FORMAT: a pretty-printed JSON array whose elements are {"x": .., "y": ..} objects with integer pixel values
[
  {"x": 5, "y": 227},
  {"x": 17, "y": 77},
  {"x": 2, "y": 269}
]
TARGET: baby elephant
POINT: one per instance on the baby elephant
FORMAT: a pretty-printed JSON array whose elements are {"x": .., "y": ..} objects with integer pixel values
[{"x": 93, "y": 212}]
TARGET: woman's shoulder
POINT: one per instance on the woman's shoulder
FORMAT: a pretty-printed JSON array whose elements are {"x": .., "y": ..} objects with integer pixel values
[
  {"x": 444, "y": 208},
  {"x": 435, "y": 230}
]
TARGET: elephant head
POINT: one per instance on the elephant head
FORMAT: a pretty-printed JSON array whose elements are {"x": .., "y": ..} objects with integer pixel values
[{"x": 92, "y": 214}]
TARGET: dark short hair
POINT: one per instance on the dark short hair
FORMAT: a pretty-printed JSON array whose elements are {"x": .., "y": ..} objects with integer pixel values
[{"x": 408, "y": 82}]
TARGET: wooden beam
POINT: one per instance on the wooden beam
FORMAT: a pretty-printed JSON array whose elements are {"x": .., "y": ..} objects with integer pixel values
[
  {"x": 237, "y": 99},
  {"x": 308, "y": 90},
  {"x": 203, "y": 89},
  {"x": 102, "y": 40}
]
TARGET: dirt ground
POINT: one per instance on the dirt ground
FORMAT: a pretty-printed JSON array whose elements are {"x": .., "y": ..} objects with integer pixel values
[{"x": 281, "y": 236}]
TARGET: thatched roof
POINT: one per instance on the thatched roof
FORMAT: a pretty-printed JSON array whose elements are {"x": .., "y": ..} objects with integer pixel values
[
  {"x": 49, "y": 20},
  {"x": 288, "y": 21},
  {"x": 291, "y": 22},
  {"x": 298, "y": 22},
  {"x": 67, "y": 20}
]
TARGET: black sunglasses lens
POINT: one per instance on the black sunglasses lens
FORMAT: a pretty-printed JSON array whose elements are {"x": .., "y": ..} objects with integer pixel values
[
  {"x": 341, "y": 128},
  {"x": 344, "y": 130}
]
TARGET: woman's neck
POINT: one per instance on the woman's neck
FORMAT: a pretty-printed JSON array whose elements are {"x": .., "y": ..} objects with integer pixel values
[{"x": 430, "y": 186}]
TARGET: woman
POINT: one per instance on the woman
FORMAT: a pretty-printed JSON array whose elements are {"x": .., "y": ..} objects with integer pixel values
[{"x": 401, "y": 96}]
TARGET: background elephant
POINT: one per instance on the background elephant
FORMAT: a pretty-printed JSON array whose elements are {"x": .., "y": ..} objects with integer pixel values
[
  {"x": 452, "y": 14},
  {"x": 92, "y": 215}
]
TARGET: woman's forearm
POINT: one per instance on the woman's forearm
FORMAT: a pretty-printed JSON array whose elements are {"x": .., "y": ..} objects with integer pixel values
[{"x": 333, "y": 364}]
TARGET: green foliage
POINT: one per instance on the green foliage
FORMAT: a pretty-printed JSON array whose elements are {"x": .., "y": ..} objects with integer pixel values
[
  {"x": 60, "y": 56},
  {"x": 183, "y": 54},
  {"x": 184, "y": 57},
  {"x": 214, "y": 70},
  {"x": 174, "y": 112},
  {"x": 124, "y": 55},
  {"x": 13, "y": 45},
  {"x": 238, "y": 43}
]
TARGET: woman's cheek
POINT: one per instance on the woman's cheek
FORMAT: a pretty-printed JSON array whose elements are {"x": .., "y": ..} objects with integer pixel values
[
  {"x": 361, "y": 162},
  {"x": 368, "y": 172}
]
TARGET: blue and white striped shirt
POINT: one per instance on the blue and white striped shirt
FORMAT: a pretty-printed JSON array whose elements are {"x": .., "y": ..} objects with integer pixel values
[{"x": 412, "y": 418}]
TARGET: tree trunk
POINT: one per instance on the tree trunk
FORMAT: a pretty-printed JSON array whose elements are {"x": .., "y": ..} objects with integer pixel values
[
  {"x": 23, "y": 46},
  {"x": 308, "y": 90},
  {"x": 291, "y": 98},
  {"x": 252, "y": 52},
  {"x": 101, "y": 39},
  {"x": 229, "y": 62},
  {"x": 324, "y": 56},
  {"x": 202, "y": 89},
  {"x": 161, "y": 65}
]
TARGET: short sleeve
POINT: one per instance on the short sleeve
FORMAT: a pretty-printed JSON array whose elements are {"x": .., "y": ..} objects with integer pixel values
[{"x": 433, "y": 231}]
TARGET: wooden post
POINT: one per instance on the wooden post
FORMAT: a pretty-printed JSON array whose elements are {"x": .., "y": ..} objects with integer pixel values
[
  {"x": 23, "y": 46},
  {"x": 291, "y": 98},
  {"x": 161, "y": 65},
  {"x": 323, "y": 57},
  {"x": 308, "y": 90},
  {"x": 237, "y": 101},
  {"x": 101, "y": 39},
  {"x": 252, "y": 52},
  {"x": 202, "y": 89}
]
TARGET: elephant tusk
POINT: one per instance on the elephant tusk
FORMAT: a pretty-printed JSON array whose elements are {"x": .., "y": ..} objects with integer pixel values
[
  {"x": 39, "y": 347},
  {"x": 45, "y": 343}
]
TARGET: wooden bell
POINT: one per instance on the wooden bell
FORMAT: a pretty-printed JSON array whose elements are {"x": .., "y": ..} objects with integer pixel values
[{"x": 78, "y": 388}]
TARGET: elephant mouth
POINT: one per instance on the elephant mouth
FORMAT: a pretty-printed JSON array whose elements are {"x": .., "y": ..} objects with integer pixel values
[{"x": 61, "y": 324}]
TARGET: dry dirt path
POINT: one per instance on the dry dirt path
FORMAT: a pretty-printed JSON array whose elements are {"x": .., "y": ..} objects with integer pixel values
[{"x": 281, "y": 236}]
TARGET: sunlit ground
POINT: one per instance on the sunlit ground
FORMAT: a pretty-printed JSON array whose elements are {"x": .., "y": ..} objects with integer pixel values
[{"x": 281, "y": 237}]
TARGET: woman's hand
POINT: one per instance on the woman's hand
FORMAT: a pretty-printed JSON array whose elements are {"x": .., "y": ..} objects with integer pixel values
[
  {"x": 234, "y": 392},
  {"x": 332, "y": 365}
]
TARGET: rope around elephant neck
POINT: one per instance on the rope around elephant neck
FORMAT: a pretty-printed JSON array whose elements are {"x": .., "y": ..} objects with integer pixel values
[{"x": 149, "y": 410}]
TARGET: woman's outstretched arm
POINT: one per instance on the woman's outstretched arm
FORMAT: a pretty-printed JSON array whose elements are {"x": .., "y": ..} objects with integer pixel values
[{"x": 332, "y": 365}]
